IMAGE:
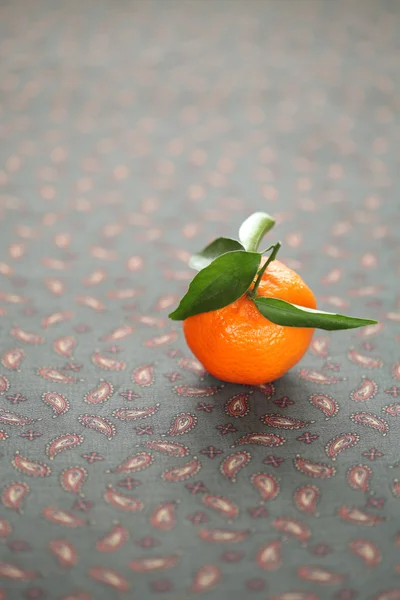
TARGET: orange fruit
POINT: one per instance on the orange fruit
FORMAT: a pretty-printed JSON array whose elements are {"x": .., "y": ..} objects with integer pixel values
[{"x": 237, "y": 344}]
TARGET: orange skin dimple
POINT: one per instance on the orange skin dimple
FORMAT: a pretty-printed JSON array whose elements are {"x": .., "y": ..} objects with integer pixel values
[{"x": 237, "y": 344}]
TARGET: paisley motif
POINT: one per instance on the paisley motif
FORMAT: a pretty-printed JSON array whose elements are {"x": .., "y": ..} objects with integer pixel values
[
  {"x": 59, "y": 516},
  {"x": 317, "y": 377},
  {"x": 314, "y": 469},
  {"x": 393, "y": 410},
  {"x": 62, "y": 443},
  {"x": 148, "y": 320},
  {"x": 64, "y": 552},
  {"x": 205, "y": 578},
  {"x": 17, "y": 250},
  {"x": 55, "y": 318},
  {"x": 306, "y": 498},
  {"x": 370, "y": 330},
  {"x": 292, "y": 527},
  {"x": 183, "y": 423},
  {"x": 358, "y": 477},
  {"x": 13, "y": 298},
  {"x": 64, "y": 345},
  {"x": 163, "y": 517},
  {"x": 13, "y": 496},
  {"x": 319, "y": 575},
  {"x": 99, "y": 424},
  {"x": 234, "y": 463},
  {"x": 55, "y": 286},
  {"x": 361, "y": 292},
  {"x": 266, "y": 484},
  {"x": 237, "y": 406},
  {"x": 25, "y": 336},
  {"x": 340, "y": 443},
  {"x": 122, "y": 501},
  {"x": 30, "y": 467},
  {"x": 11, "y": 359},
  {"x": 222, "y": 505},
  {"x": 7, "y": 271},
  {"x": 283, "y": 422},
  {"x": 132, "y": 414},
  {"x": 113, "y": 540},
  {"x": 4, "y": 385},
  {"x": 182, "y": 472},
  {"x": 370, "y": 420},
  {"x": 90, "y": 302},
  {"x": 269, "y": 556},
  {"x": 12, "y": 572},
  {"x": 393, "y": 316},
  {"x": 8, "y": 417},
  {"x": 154, "y": 563},
  {"x": 396, "y": 370},
  {"x": 55, "y": 263},
  {"x": 367, "y": 551},
  {"x": 126, "y": 294},
  {"x": 319, "y": 346},
  {"x": 134, "y": 263},
  {"x": 396, "y": 488},
  {"x": 188, "y": 391},
  {"x": 365, "y": 391},
  {"x": 96, "y": 277},
  {"x": 109, "y": 577},
  {"x": 192, "y": 365},
  {"x": 161, "y": 340},
  {"x": 55, "y": 375},
  {"x": 261, "y": 439},
  {"x": 101, "y": 393},
  {"x": 166, "y": 301},
  {"x": 72, "y": 479},
  {"x": 266, "y": 388},
  {"x": 223, "y": 536},
  {"x": 168, "y": 448},
  {"x": 327, "y": 405},
  {"x": 358, "y": 516},
  {"x": 364, "y": 361},
  {"x": 5, "y": 528},
  {"x": 107, "y": 363},
  {"x": 143, "y": 375},
  {"x": 62, "y": 240},
  {"x": 57, "y": 402},
  {"x": 134, "y": 463}
]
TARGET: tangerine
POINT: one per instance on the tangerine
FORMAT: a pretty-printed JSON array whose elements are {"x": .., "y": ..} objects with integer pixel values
[{"x": 238, "y": 344}]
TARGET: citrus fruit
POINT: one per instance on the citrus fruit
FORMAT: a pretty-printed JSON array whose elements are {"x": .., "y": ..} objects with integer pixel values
[
  {"x": 249, "y": 319},
  {"x": 237, "y": 343}
]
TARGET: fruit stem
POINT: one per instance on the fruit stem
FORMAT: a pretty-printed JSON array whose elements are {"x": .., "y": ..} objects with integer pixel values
[{"x": 275, "y": 249}]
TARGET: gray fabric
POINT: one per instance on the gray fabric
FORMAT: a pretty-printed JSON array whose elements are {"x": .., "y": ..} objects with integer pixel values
[{"x": 145, "y": 129}]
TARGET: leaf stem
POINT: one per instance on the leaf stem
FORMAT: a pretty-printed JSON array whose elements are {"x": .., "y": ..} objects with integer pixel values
[{"x": 275, "y": 249}]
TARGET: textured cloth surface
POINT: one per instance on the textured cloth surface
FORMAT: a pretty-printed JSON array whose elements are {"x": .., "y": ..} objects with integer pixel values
[{"x": 132, "y": 133}]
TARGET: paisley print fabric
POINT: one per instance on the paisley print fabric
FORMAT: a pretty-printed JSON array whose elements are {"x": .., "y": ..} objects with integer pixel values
[{"x": 133, "y": 133}]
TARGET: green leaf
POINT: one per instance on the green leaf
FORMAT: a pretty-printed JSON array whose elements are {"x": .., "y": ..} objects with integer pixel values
[
  {"x": 220, "y": 246},
  {"x": 291, "y": 315},
  {"x": 253, "y": 230},
  {"x": 226, "y": 279}
]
